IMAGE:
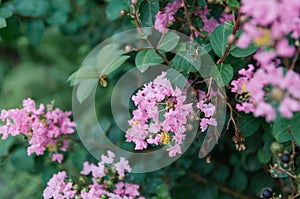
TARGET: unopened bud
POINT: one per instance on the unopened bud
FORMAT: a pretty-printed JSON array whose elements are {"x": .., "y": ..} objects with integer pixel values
[
  {"x": 227, "y": 10},
  {"x": 134, "y": 2},
  {"x": 244, "y": 18},
  {"x": 123, "y": 12},
  {"x": 128, "y": 48},
  {"x": 231, "y": 39}
]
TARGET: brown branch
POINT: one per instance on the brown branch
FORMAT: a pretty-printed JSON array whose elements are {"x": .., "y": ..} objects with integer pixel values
[
  {"x": 191, "y": 27},
  {"x": 295, "y": 59},
  {"x": 227, "y": 50},
  {"x": 222, "y": 188}
]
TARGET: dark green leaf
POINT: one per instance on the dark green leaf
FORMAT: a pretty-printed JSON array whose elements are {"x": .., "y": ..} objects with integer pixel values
[
  {"x": 169, "y": 41},
  {"x": 22, "y": 161},
  {"x": 280, "y": 129},
  {"x": 223, "y": 74},
  {"x": 239, "y": 181},
  {"x": 113, "y": 9},
  {"x": 25, "y": 7},
  {"x": 233, "y": 3},
  {"x": 146, "y": 58},
  {"x": 5, "y": 12},
  {"x": 295, "y": 127},
  {"x": 242, "y": 52},
  {"x": 2, "y": 22},
  {"x": 35, "y": 32},
  {"x": 5, "y": 145},
  {"x": 57, "y": 18},
  {"x": 249, "y": 124},
  {"x": 63, "y": 6},
  {"x": 148, "y": 10},
  {"x": 218, "y": 38}
]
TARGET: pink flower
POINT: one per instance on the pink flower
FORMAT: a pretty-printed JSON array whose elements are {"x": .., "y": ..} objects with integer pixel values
[
  {"x": 154, "y": 99},
  {"x": 288, "y": 106},
  {"x": 44, "y": 129},
  {"x": 57, "y": 188},
  {"x": 122, "y": 166},
  {"x": 57, "y": 157},
  {"x": 284, "y": 49}
]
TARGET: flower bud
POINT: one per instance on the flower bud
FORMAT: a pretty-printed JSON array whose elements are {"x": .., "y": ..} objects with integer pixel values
[
  {"x": 128, "y": 48},
  {"x": 231, "y": 39},
  {"x": 276, "y": 148},
  {"x": 123, "y": 12},
  {"x": 134, "y": 2},
  {"x": 227, "y": 10}
]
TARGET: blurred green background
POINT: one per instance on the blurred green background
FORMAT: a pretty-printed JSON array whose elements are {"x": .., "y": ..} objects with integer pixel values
[{"x": 44, "y": 42}]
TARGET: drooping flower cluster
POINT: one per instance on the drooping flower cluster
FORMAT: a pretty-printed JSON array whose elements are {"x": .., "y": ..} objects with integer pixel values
[
  {"x": 43, "y": 128},
  {"x": 103, "y": 180},
  {"x": 270, "y": 91},
  {"x": 209, "y": 24},
  {"x": 167, "y": 16},
  {"x": 160, "y": 117},
  {"x": 208, "y": 110},
  {"x": 268, "y": 25}
]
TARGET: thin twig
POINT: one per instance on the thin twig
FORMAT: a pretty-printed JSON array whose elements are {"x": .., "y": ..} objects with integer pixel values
[
  {"x": 234, "y": 30},
  {"x": 222, "y": 188},
  {"x": 295, "y": 59}
]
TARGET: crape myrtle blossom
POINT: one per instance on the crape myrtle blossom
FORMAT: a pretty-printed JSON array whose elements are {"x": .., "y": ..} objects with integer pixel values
[
  {"x": 44, "y": 128},
  {"x": 270, "y": 22},
  {"x": 207, "y": 109},
  {"x": 166, "y": 16},
  {"x": 209, "y": 24},
  {"x": 160, "y": 117},
  {"x": 271, "y": 91},
  {"x": 104, "y": 180}
]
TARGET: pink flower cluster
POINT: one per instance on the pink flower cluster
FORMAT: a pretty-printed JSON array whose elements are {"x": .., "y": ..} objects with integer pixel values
[
  {"x": 167, "y": 16},
  {"x": 271, "y": 91},
  {"x": 208, "y": 110},
  {"x": 43, "y": 128},
  {"x": 160, "y": 117},
  {"x": 209, "y": 24},
  {"x": 99, "y": 186},
  {"x": 268, "y": 25}
]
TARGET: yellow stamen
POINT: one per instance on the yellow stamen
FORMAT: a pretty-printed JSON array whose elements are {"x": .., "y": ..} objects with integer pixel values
[
  {"x": 165, "y": 138},
  {"x": 264, "y": 40}
]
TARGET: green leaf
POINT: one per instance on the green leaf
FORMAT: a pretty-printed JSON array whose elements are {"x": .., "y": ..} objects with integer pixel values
[
  {"x": 22, "y": 161},
  {"x": 146, "y": 58},
  {"x": 169, "y": 41},
  {"x": 218, "y": 38},
  {"x": 5, "y": 145},
  {"x": 12, "y": 30},
  {"x": 242, "y": 52},
  {"x": 148, "y": 10},
  {"x": 162, "y": 191},
  {"x": 113, "y": 9},
  {"x": 116, "y": 63},
  {"x": 63, "y": 6},
  {"x": 201, "y": 2},
  {"x": 25, "y": 7},
  {"x": 85, "y": 88},
  {"x": 295, "y": 127},
  {"x": 35, "y": 32},
  {"x": 223, "y": 75},
  {"x": 238, "y": 181},
  {"x": 57, "y": 18},
  {"x": 5, "y": 12},
  {"x": 233, "y": 3},
  {"x": 83, "y": 73},
  {"x": 280, "y": 129},
  {"x": 107, "y": 58},
  {"x": 2, "y": 22},
  {"x": 249, "y": 124},
  {"x": 184, "y": 61},
  {"x": 263, "y": 157}
]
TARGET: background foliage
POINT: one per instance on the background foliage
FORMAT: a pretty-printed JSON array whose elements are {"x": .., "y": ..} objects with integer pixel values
[{"x": 43, "y": 42}]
